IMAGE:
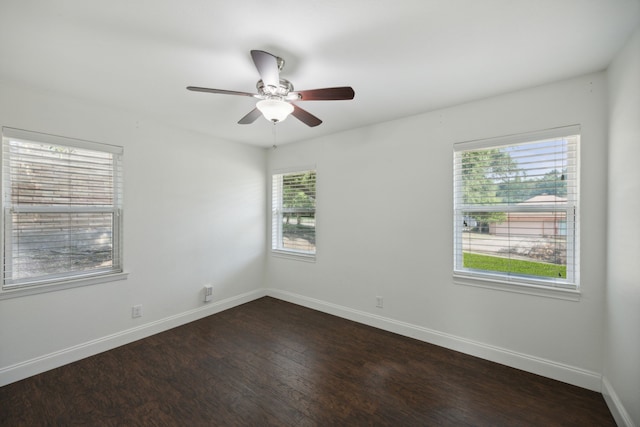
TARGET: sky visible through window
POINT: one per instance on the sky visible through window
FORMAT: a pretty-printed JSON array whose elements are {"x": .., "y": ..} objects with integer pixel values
[{"x": 549, "y": 155}]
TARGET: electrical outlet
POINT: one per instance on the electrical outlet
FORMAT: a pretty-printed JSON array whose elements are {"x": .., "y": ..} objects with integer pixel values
[
  {"x": 136, "y": 311},
  {"x": 379, "y": 302},
  {"x": 208, "y": 293}
]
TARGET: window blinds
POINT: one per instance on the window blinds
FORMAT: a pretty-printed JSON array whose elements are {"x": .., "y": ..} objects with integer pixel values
[
  {"x": 294, "y": 212},
  {"x": 515, "y": 207},
  {"x": 62, "y": 203}
]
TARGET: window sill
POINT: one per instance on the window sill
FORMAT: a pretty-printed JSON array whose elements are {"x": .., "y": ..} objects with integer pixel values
[
  {"x": 517, "y": 287},
  {"x": 298, "y": 256},
  {"x": 61, "y": 285}
]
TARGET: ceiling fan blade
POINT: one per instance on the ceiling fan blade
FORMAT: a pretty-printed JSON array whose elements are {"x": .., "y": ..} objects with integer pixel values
[
  {"x": 250, "y": 117},
  {"x": 305, "y": 117},
  {"x": 222, "y": 91},
  {"x": 267, "y": 65},
  {"x": 326, "y": 94}
]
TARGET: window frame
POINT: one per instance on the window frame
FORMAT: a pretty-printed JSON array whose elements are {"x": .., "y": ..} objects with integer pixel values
[
  {"x": 568, "y": 288},
  {"x": 69, "y": 279},
  {"x": 277, "y": 211}
]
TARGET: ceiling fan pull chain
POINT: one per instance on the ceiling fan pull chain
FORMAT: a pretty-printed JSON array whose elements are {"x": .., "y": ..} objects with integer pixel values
[{"x": 275, "y": 139}]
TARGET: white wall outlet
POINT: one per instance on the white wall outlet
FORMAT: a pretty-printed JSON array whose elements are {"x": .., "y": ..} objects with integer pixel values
[
  {"x": 136, "y": 311},
  {"x": 208, "y": 293},
  {"x": 379, "y": 302}
]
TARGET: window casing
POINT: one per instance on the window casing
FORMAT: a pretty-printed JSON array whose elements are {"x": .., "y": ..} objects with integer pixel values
[
  {"x": 293, "y": 204},
  {"x": 62, "y": 210},
  {"x": 516, "y": 210}
]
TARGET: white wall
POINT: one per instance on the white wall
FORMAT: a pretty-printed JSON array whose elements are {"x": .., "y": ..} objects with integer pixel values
[
  {"x": 385, "y": 228},
  {"x": 622, "y": 334},
  {"x": 194, "y": 214}
]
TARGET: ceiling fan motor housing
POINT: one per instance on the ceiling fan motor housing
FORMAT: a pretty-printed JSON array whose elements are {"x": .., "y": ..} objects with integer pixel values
[{"x": 279, "y": 92}]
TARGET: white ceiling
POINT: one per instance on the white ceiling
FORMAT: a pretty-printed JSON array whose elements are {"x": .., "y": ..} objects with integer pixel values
[{"x": 402, "y": 57}]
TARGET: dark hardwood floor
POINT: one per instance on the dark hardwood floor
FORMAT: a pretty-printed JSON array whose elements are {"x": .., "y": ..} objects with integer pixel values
[{"x": 269, "y": 362}]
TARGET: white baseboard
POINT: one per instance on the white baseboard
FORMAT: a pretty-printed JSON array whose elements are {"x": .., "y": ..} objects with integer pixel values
[
  {"x": 620, "y": 414},
  {"x": 558, "y": 371},
  {"x": 547, "y": 368},
  {"x": 65, "y": 356}
]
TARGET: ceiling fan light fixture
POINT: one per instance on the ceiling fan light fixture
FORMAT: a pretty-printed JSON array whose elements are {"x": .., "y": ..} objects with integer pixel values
[{"x": 274, "y": 110}]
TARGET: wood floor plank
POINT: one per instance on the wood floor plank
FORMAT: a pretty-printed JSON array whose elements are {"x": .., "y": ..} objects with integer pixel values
[{"x": 269, "y": 362}]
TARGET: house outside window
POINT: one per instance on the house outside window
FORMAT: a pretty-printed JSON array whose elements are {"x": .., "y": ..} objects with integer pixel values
[
  {"x": 62, "y": 211},
  {"x": 516, "y": 209},
  {"x": 293, "y": 203}
]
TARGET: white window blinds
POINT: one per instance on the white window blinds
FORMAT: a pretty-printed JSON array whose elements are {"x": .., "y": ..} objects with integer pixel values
[
  {"x": 516, "y": 208},
  {"x": 294, "y": 212},
  {"x": 62, "y": 201}
]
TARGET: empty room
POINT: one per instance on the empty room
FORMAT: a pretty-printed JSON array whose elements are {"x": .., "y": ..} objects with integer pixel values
[{"x": 363, "y": 212}]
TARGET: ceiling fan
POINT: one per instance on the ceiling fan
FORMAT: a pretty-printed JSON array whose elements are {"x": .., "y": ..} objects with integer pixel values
[{"x": 277, "y": 96}]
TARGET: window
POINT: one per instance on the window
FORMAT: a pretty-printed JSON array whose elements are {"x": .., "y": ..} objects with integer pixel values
[
  {"x": 516, "y": 209},
  {"x": 293, "y": 227},
  {"x": 62, "y": 209}
]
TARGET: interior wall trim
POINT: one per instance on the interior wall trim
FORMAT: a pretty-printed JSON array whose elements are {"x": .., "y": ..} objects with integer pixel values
[
  {"x": 547, "y": 368},
  {"x": 68, "y": 355},
  {"x": 620, "y": 414},
  {"x": 558, "y": 371}
]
